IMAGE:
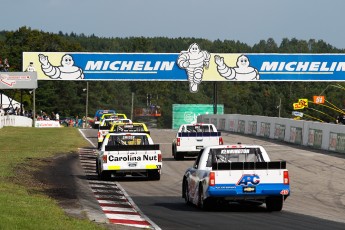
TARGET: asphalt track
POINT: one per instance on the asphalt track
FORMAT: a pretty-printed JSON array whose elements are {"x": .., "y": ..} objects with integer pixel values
[{"x": 317, "y": 200}]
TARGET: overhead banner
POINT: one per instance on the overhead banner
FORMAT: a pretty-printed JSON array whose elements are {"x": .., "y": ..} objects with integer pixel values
[
  {"x": 193, "y": 64},
  {"x": 18, "y": 80}
]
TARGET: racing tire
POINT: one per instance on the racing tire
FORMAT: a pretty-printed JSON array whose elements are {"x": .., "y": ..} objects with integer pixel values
[
  {"x": 154, "y": 175},
  {"x": 185, "y": 192},
  {"x": 274, "y": 204}
]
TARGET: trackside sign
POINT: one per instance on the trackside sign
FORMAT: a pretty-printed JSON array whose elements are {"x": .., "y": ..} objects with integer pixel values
[
  {"x": 18, "y": 80},
  {"x": 193, "y": 64}
]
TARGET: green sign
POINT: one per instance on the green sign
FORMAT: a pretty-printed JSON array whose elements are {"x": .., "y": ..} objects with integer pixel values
[{"x": 188, "y": 113}]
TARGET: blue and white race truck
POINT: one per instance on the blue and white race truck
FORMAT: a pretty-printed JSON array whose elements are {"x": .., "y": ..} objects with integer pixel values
[{"x": 236, "y": 173}]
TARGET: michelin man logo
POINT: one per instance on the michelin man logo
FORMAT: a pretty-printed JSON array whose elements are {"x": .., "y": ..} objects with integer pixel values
[
  {"x": 66, "y": 71},
  {"x": 193, "y": 61},
  {"x": 242, "y": 72}
]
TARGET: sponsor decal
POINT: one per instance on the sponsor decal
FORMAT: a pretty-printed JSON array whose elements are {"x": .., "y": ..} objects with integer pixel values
[
  {"x": 225, "y": 187},
  {"x": 297, "y": 114},
  {"x": 319, "y": 99},
  {"x": 235, "y": 151},
  {"x": 301, "y": 104},
  {"x": 304, "y": 67},
  {"x": 249, "y": 189},
  {"x": 128, "y": 66},
  {"x": 144, "y": 157},
  {"x": 248, "y": 179}
]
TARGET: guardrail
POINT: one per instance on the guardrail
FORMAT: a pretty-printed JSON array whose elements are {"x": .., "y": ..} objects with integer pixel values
[{"x": 317, "y": 135}]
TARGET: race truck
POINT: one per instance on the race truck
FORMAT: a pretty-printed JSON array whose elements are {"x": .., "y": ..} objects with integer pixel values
[
  {"x": 99, "y": 114},
  {"x": 190, "y": 138},
  {"x": 115, "y": 116},
  {"x": 105, "y": 127},
  {"x": 236, "y": 173},
  {"x": 121, "y": 125},
  {"x": 129, "y": 154}
]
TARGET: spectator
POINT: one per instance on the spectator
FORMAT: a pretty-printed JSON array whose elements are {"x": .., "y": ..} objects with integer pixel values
[
  {"x": 17, "y": 111},
  {"x": 57, "y": 117},
  {"x": 84, "y": 122},
  {"x": 2, "y": 111},
  {"x": 44, "y": 116},
  {"x": 53, "y": 116},
  {"x": 340, "y": 119},
  {"x": 71, "y": 124},
  {"x": 6, "y": 65},
  {"x": 31, "y": 67},
  {"x": 76, "y": 121}
]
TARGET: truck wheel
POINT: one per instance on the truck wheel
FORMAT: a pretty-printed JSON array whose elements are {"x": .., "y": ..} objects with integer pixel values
[
  {"x": 173, "y": 151},
  {"x": 179, "y": 156},
  {"x": 274, "y": 203},
  {"x": 202, "y": 202},
  {"x": 101, "y": 175},
  {"x": 154, "y": 175},
  {"x": 97, "y": 166}
]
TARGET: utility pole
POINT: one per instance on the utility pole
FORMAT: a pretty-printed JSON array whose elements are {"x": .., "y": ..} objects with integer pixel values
[
  {"x": 87, "y": 103},
  {"x": 279, "y": 106},
  {"x": 215, "y": 96},
  {"x": 132, "y": 106}
]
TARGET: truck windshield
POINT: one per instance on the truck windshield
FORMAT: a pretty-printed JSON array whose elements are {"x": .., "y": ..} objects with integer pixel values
[
  {"x": 127, "y": 140},
  {"x": 234, "y": 155},
  {"x": 129, "y": 128},
  {"x": 198, "y": 129}
]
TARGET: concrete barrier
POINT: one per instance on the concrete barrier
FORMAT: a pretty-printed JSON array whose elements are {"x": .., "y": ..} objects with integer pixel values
[{"x": 327, "y": 136}]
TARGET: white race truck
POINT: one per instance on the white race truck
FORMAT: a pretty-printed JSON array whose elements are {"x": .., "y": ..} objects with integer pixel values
[
  {"x": 129, "y": 154},
  {"x": 236, "y": 173},
  {"x": 190, "y": 138}
]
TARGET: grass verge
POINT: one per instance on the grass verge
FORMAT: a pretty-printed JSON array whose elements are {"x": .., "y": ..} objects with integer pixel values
[{"x": 20, "y": 208}]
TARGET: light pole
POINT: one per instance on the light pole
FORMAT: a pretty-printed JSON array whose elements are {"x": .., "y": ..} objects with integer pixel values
[
  {"x": 336, "y": 86},
  {"x": 87, "y": 103}
]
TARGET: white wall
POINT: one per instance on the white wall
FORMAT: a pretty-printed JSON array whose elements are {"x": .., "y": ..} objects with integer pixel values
[
  {"x": 317, "y": 135},
  {"x": 13, "y": 120}
]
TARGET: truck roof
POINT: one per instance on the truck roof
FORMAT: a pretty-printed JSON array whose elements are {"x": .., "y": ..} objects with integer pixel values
[{"x": 236, "y": 146}]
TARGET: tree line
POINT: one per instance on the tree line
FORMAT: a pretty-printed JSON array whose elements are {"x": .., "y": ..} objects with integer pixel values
[{"x": 68, "y": 98}]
